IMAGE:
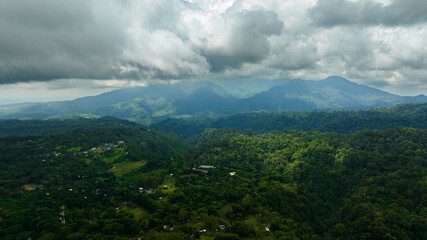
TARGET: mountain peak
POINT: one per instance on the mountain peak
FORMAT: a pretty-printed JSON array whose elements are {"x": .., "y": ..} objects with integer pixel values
[{"x": 336, "y": 79}]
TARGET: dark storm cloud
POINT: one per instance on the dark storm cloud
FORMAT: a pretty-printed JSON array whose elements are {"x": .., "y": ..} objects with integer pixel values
[
  {"x": 49, "y": 15},
  {"x": 247, "y": 40},
  {"x": 45, "y": 40},
  {"x": 330, "y": 13}
]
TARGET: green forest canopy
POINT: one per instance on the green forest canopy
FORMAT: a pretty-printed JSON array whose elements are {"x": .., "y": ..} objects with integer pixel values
[{"x": 277, "y": 185}]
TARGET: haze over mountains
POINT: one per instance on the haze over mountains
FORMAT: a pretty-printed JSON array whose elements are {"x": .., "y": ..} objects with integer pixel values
[{"x": 157, "y": 102}]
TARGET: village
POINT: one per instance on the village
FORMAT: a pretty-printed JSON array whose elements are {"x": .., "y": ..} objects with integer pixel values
[
  {"x": 101, "y": 184},
  {"x": 60, "y": 150}
]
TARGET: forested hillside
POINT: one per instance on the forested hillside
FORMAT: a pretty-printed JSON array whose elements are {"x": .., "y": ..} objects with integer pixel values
[
  {"x": 345, "y": 121},
  {"x": 126, "y": 182},
  {"x": 15, "y": 127}
]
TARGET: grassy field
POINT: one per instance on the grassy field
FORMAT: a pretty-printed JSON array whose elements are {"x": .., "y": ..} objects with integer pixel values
[
  {"x": 170, "y": 187},
  {"x": 138, "y": 212},
  {"x": 74, "y": 149},
  {"x": 112, "y": 157},
  {"x": 122, "y": 168}
]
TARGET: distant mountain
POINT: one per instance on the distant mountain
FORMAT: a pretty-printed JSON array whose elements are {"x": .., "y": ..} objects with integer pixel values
[
  {"x": 331, "y": 93},
  {"x": 202, "y": 100},
  {"x": 205, "y": 99},
  {"x": 244, "y": 88},
  {"x": 141, "y": 104},
  {"x": 19, "y": 104}
]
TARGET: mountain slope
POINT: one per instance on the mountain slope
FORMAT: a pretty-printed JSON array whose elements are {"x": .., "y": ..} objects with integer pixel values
[
  {"x": 412, "y": 115},
  {"x": 331, "y": 93},
  {"x": 158, "y": 102},
  {"x": 204, "y": 99}
]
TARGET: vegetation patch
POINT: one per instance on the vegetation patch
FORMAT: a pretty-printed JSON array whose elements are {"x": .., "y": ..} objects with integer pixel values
[
  {"x": 167, "y": 187},
  {"x": 75, "y": 149},
  {"x": 113, "y": 157},
  {"x": 122, "y": 168}
]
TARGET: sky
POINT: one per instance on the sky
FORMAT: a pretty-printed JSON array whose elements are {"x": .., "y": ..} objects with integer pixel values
[{"x": 56, "y": 50}]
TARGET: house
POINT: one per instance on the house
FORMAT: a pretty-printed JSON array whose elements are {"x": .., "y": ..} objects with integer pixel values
[
  {"x": 30, "y": 187},
  {"x": 206, "y": 166},
  {"x": 150, "y": 191}
]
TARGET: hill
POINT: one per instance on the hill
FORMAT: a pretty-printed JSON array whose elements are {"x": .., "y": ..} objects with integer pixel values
[
  {"x": 340, "y": 121},
  {"x": 13, "y": 127}
]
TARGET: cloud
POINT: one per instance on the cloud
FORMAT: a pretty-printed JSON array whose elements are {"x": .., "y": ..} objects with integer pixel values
[
  {"x": 166, "y": 56},
  {"x": 51, "y": 39},
  {"x": 137, "y": 39},
  {"x": 243, "y": 39},
  {"x": 95, "y": 43},
  {"x": 330, "y": 13}
]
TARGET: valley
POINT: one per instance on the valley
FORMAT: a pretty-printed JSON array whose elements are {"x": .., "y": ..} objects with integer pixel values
[{"x": 117, "y": 179}]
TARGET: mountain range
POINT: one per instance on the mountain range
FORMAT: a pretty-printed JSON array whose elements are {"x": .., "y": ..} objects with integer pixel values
[{"x": 206, "y": 99}]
